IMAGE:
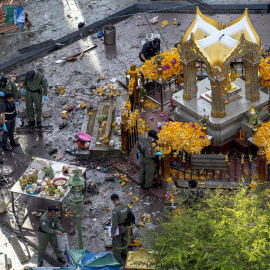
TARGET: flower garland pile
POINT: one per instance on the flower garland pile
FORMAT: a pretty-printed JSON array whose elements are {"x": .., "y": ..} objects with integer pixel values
[
  {"x": 170, "y": 62},
  {"x": 109, "y": 90},
  {"x": 262, "y": 138},
  {"x": 180, "y": 136},
  {"x": 264, "y": 69},
  {"x": 131, "y": 122}
]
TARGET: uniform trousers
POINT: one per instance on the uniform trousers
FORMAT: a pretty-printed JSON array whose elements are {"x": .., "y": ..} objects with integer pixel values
[
  {"x": 120, "y": 243},
  {"x": 33, "y": 98},
  {"x": 44, "y": 239},
  {"x": 9, "y": 133}
]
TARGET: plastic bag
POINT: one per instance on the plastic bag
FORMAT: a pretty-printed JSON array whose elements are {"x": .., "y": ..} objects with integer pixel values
[{"x": 19, "y": 16}]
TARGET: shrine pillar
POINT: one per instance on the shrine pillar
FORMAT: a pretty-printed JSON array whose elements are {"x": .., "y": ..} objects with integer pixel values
[
  {"x": 218, "y": 97},
  {"x": 251, "y": 82},
  {"x": 189, "y": 80},
  {"x": 261, "y": 164},
  {"x": 124, "y": 137}
]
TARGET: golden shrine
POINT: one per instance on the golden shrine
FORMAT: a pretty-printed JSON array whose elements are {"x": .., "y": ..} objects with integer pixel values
[
  {"x": 217, "y": 46},
  {"x": 222, "y": 96}
]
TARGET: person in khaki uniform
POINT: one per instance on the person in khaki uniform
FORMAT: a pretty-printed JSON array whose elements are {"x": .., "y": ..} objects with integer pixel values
[
  {"x": 147, "y": 155},
  {"x": 119, "y": 216},
  {"x": 49, "y": 229},
  {"x": 35, "y": 82}
]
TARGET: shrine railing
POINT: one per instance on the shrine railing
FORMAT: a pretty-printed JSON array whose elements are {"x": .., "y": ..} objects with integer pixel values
[
  {"x": 132, "y": 138},
  {"x": 240, "y": 167}
]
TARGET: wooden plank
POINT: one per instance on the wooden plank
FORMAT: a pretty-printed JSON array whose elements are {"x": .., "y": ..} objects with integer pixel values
[
  {"x": 10, "y": 27},
  {"x": 209, "y": 162}
]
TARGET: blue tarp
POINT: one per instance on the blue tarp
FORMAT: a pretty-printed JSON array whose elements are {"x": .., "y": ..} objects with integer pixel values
[{"x": 91, "y": 261}]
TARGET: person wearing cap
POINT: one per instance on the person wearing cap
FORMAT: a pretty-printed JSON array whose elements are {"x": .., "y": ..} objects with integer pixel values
[
  {"x": 150, "y": 49},
  {"x": 49, "y": 228},
  {"x": 194, "y": 195},
  {"x": 34, "y": 83},
  {"x": 7, "y": 85},
  {"x": 119, "y": 240},
  {"x": 147, "y": 155},
  {"x": 8, "y": 111}
]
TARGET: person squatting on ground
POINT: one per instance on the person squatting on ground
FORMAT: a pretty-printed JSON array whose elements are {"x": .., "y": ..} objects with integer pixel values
[
  {"x": 8, "y": 111},
  {"x": 119, "y": 217},
  {"x": 49, "y": 228},
  {"x": 194, "y": 195},
  {"x": 150, "y": 49},
  {"x": 147, "y": 156},
  {"x": 34, "y": 82}
]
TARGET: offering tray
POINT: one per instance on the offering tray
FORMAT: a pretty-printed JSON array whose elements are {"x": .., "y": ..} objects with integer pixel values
[
  {"x": 30, "y": 187},
  {"x": 60, "y": 181}
]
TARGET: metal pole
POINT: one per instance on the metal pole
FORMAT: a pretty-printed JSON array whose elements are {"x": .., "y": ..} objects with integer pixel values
[{"x": 79, "y": 227}]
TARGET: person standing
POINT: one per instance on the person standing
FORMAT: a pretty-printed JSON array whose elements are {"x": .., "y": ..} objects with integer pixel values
[
  {"x": 119, "y": 216},
  {"x": 150, "y": 49},
  {"x": 35, "y": 83},
  {"x": 8, "y": 110},
  {"x": 7, "y": 85},
  {"x": 147, "y": 155},
  {"x": 49, "y": 229}
]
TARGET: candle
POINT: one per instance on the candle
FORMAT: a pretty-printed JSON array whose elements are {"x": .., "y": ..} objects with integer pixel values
[{"x": 240, "y": 134}]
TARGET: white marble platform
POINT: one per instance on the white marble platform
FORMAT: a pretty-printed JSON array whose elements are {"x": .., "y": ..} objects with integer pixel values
[{"x": 220, "y": 128}]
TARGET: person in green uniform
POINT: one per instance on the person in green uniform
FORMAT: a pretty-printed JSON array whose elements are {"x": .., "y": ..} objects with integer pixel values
[
  {"x": 147, "y": 156},
  {"x": 119, "y": 240},
  {"x": 7, "y": 85},
  {"x": 49, "y": 229},
  {"x": 35, "y": 83}
]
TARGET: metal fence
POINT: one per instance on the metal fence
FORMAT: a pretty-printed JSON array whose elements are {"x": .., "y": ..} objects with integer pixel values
[
  {"x": 132, "y": 138},
  {"x": 240, "y": 167}
]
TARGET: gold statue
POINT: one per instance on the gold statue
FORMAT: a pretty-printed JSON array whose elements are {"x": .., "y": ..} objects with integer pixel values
[{"x": 232, "y": 76}]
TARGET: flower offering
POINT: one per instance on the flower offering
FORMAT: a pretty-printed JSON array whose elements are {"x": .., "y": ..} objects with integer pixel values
[
  {"x": 180, "y": 136},
  {"x": 171, "y": 66}
]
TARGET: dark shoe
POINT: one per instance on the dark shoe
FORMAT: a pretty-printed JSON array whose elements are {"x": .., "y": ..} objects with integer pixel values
[
  {"x": 31, "y": 124},
  {"x": 153, "y": 186},
  {"x": 39, "y": 125},
  {"x": 7, "y": 148},
  {"x": 61, "y": 260},
  {"x": 40, "y": 264},
  {"x": 124, "y": 256},
  {"x": 15, "y": 143}
]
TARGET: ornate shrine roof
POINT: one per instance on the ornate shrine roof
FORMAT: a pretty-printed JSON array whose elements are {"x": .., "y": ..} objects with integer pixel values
[{"x": 218, "y": 42}]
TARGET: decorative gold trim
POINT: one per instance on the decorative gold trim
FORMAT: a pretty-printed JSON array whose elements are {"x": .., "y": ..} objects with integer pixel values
[
  {"x": 207, "y": 19},
  {"x": 246, "y": 14}
]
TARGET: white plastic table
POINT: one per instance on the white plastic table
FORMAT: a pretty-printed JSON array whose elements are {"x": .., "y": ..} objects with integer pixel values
[{"x": 57, "y": 167}]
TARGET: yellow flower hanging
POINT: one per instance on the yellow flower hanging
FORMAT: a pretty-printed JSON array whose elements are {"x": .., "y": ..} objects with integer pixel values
[{"x": 169, "y": 180}]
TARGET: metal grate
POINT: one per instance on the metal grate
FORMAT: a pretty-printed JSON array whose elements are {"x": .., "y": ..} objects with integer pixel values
[
  {"x": 36, "y": 46},
  {"x": 18, "y": 249}
]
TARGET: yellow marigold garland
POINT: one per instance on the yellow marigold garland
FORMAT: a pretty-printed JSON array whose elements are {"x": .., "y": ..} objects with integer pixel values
[
  {"x": 262, "y": 138},
  {"x": 264, "y": 69},
  {"x": 171, "y": 66},
  {"x": 131, "y": 86},
  {"x": 180, "y": 136},
  {"x": 131, "y": 122}
]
